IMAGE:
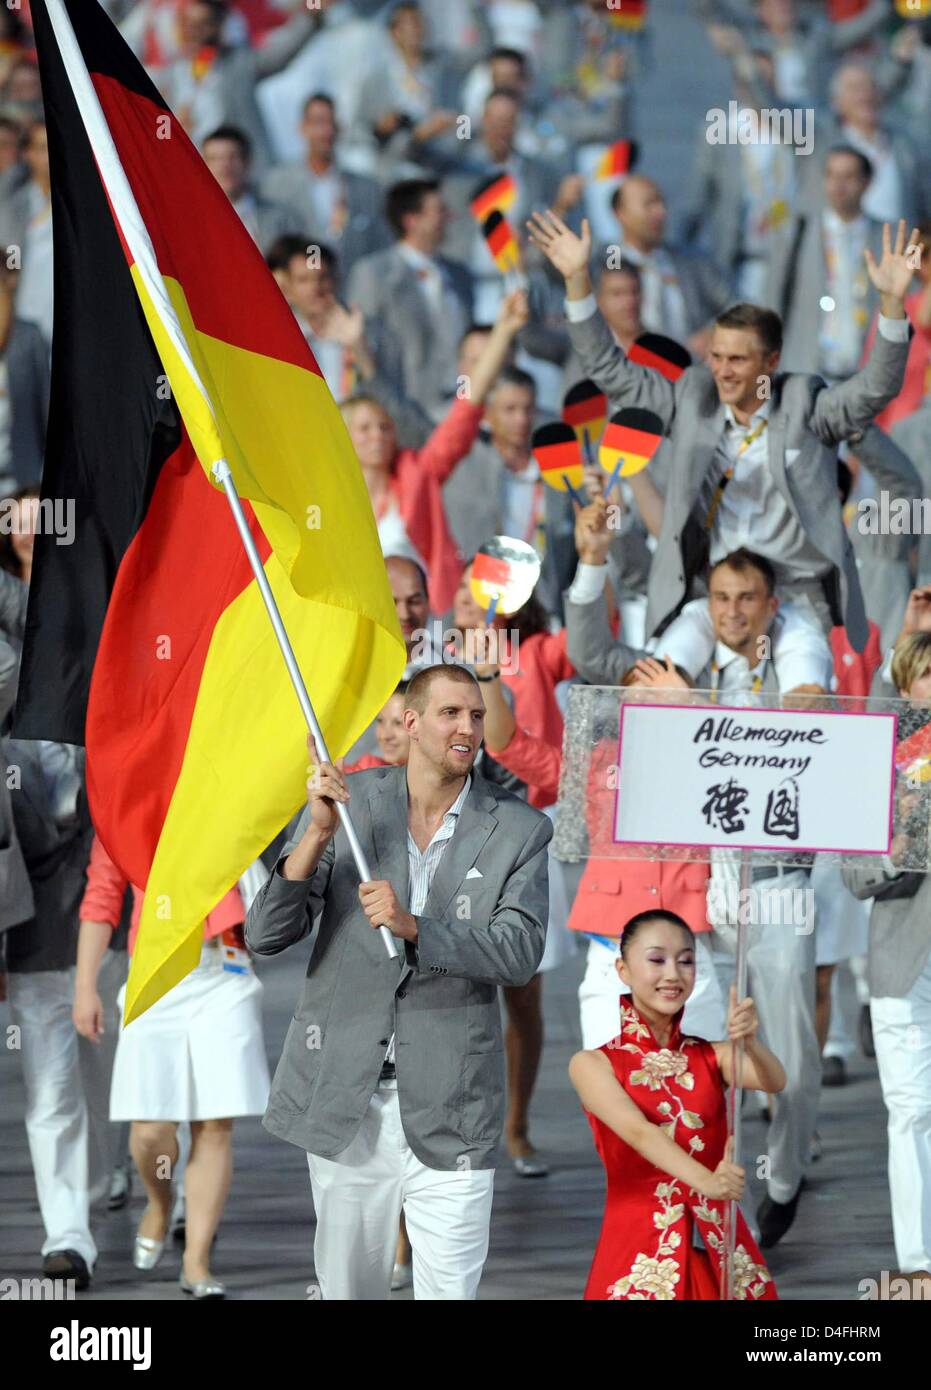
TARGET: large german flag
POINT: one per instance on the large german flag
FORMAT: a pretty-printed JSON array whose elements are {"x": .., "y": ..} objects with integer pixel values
[{"x": 173, "y": 349}]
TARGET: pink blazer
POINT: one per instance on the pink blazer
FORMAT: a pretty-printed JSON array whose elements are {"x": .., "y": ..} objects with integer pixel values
[
  {"x": 534, "y": 751},
  {"x": 106, "y": 889},
  {"x": 417, "y": 478}
]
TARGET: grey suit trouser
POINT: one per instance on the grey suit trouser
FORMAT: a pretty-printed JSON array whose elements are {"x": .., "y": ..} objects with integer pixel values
[{"x": 781, "y": 970}]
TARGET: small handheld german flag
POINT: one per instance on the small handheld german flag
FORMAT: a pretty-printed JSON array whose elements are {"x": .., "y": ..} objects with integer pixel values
[
  {"x": 841, "y": 10},
  {"x": 617, "y": 159},
  {"x": 559, "y": 456},
  {"x": 501, "y": 242},
  {"x": 663, "y": 354},
  {"x": 504, "y": 574},
  {"x": 585, "y": 408},
  {"x": 629, "y": 442},
  {"x": 628, "y": 14},
  {"x": 496, "y": 194}
]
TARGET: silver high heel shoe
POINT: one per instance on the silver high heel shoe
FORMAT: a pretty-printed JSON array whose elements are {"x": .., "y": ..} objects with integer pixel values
[
  {"x": 147, "y": 1252},
  {"x": 203, "y": 1288}
]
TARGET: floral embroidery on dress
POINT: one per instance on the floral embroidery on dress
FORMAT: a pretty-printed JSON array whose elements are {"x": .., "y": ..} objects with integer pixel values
[
  {"x": 749, "y": 1277},
  {"x": 655, "y": 1276},
  {"x": 656, "y": 1070}
]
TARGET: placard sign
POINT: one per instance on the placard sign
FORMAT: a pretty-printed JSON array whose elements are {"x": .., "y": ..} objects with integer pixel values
[{"x": 755, "y": 778}]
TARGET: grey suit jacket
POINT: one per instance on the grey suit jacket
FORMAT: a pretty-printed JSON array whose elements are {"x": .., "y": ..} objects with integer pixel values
[
  {"x": 365, "y": 229},
  {"x": 900, "y": 927},
  {"x": 472, "y": 500},
  {"x": 884, "y": 559},
  {"x": 386, "y": 288},
  {"x": 806, "y": 416},
  {"x": 237, "y": 71},
  {"x": 913, "y": 434},
  {"x": 440, "y": 999},
  {"x": 705, "y": 290},
  {"x": 797, "y": 276}
]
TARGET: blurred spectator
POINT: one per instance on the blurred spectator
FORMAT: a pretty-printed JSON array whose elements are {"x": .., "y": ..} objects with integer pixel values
[
  {"x": 423, "y": 298},
  {"x": 916, "y": 388},
  {"x": 213, "y": 83},
  {"x": 228, "y": 155},
  {"x": 12, "y": 170},
  {"x": 405, "y": 484},
  {"x": 338, "y": 59},
  {"x": 409, "y": 85},
  {"x": 680, "y": 291},
  {"x": 494, "y": 152},
  {"x": 24, "y": 390},
  {"x": 619, "y": 296},
  {"x": 742, "y": 190},
  {"x": 818, "y": 280},
  {"x": 338, "y": 207},
  {"x": 897, "y": 188},
  {"x": 498, "y": 490},
  {"x": 26, "y": 226},
  {"x": 799, "y": 42}
]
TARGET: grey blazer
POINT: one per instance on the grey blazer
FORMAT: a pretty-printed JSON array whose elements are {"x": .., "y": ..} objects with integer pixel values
[
  {"x": 900, "y": 926},
  {"x": 440, "y": 999},
  {"x": 797, "y": 275},
  {"x": 705, "y": 290},
  {"x": 913, "y": 434},
  {"x": 385, "y": 288},
  {"x": 884, "y": 560},
  {"x": 807, "y": 417},
  {"x": 365, "y": 229},
  {"x": 472, "y": 500}
]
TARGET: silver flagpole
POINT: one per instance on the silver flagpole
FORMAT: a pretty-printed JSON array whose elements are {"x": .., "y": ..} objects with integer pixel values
[
  {"x": 735, "y": 1096},
  {"x": 221, "y": 471}
]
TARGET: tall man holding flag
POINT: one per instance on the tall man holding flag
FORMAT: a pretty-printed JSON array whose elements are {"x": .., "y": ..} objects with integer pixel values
[{"x": 392, "y": 1075}]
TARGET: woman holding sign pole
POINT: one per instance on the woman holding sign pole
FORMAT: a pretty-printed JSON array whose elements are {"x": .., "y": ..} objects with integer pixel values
[{"x": 655, "y": 1100}]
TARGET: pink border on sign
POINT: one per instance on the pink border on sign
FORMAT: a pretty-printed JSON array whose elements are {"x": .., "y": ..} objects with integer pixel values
[{"x": 744, "y": 709}]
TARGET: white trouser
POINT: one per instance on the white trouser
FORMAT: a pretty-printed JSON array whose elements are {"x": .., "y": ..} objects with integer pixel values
[
  {"x": 359, "y": 1197},
  {"x": 781, "y": 971},
  {"x": 67, "y": 1083},
  {"x": 600, "y": 990},
  {"x": 902, "y": 1035},
  {"x": 845, "y": 1008},
  {"x": 108, "y": 1142}
]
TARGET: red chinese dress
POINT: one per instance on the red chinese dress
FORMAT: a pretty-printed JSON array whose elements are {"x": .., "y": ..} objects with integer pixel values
[{"x": 645, "y": 1248}]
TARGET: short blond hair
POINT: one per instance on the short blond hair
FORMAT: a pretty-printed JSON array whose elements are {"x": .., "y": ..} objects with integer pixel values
[
  {"x": 348, "y": 407},
  {"x": 911, "y": 659}
]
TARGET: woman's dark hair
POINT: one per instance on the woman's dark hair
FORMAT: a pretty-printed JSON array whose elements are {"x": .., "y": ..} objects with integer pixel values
[
  {"x": 529, "y": 620},
  {"x": 9, "y": 560},
  {"x": 652, "y": 915}
]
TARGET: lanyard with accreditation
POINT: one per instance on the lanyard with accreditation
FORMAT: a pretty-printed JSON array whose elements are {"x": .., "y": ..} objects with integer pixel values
[{"x": 728, "y": 473}]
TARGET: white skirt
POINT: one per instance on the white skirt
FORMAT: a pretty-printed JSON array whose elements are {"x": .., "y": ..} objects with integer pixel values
[{"x": 198, "y": 1053}]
